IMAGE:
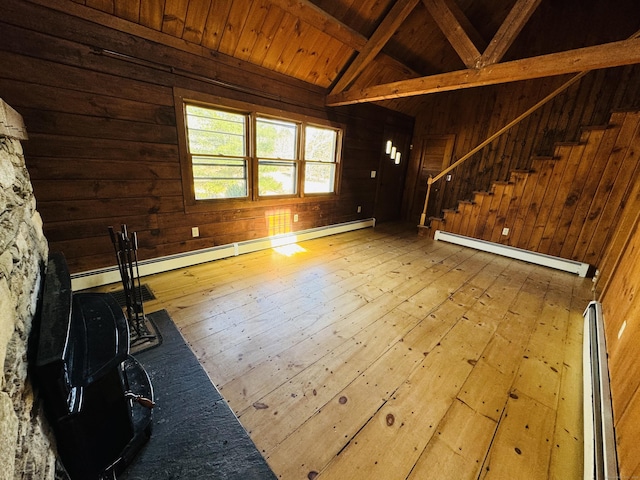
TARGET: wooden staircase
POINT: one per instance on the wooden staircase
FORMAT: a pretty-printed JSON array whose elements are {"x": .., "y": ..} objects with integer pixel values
[{"x": 567, "y": 205}]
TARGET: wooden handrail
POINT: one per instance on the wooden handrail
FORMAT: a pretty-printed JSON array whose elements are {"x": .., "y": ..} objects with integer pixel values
[
  {"x": 486, "y": 142},
  {"x": 517, "y": 120}
]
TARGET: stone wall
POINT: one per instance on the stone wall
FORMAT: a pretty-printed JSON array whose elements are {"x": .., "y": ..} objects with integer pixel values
[{"x": 26, "y": 451}]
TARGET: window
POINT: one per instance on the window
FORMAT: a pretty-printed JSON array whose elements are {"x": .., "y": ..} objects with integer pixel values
[
  {"x": 218, "y": 150},
  {"x": 277, "y": 152},
  {"x": 238, "y": 153},
  {"x": 320, "y": 159}
]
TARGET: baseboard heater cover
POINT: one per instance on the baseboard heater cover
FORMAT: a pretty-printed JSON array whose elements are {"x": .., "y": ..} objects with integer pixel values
[
  {"x": 571, "y": 266},
  {"x": 105, "y": 276},
  {"x": 600, "y": 461}
]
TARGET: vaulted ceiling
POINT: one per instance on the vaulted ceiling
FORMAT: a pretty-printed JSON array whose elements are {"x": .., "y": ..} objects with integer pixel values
[{"x": 374, "y": 50}]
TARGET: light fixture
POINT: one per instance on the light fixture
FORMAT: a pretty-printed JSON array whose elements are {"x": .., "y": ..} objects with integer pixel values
[{"x": 392, "y": 151}]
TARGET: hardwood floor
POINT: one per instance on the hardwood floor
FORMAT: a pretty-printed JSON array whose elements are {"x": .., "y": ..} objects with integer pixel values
[{"x": 378, "y": 354}]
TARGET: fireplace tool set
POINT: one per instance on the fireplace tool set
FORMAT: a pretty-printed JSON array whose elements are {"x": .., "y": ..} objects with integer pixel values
[{"x": 125, "y": 246}]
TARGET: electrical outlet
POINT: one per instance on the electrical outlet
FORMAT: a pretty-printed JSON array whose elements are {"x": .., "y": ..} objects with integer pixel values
[
  {"x": 359, "y": 209},
  {"x": 373, "y": 174},
  {"x": 195, "y": 232},
  {"x": 505, "y": 231},
  {"x": 295, "y": 217},
  {"x": 449, "y": 177}
]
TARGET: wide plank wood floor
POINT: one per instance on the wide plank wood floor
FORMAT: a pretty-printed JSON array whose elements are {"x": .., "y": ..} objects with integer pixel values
[{"x": 379, "y": 354}]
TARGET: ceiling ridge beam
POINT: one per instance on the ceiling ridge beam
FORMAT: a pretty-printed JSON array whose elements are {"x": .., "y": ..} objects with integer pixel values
[
  {"x": 398, "y": 14},
  {"x": 624, "y": 52},
  {"x": 508, "y": 31}
]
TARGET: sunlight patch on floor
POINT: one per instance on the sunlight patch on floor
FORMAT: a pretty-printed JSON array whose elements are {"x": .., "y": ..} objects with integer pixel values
[{"x": 289, "y": 250}]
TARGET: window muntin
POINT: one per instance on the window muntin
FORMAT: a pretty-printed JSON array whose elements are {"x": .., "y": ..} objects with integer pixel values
[
  {"x": 217, "y": 143},
  {"x": 320, "y": 155}
]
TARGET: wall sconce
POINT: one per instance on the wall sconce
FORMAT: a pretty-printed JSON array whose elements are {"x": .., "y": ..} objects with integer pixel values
[{"x": 392, "y": 151}]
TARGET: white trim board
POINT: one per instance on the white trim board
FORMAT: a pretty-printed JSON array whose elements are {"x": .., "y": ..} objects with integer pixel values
[
  {"x": 107, "y": 275},
  {"x": 571, "y": 266}
]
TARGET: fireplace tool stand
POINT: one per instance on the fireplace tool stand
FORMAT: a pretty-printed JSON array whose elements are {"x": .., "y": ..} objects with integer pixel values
[{"x": 126, "y": 250}]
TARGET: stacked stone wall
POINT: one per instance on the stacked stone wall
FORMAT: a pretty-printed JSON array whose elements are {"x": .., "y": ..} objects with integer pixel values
[{"x": 26, "y": 448}]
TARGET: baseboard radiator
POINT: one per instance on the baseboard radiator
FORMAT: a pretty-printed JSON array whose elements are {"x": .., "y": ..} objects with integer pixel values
[
  {"x": 105, "y": 276},
  {"x": 579, "y": 268},
  {"x": 600, "y": 461}
]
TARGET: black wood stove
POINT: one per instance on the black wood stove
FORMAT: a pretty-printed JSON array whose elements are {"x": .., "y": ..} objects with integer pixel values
[{"x": 97, "y": 397}]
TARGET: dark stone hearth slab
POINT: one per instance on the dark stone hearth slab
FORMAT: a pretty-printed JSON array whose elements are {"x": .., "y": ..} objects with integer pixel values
[{"x": 195, "y": 433}]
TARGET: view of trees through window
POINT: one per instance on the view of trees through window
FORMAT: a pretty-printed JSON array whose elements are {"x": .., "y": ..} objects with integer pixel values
[
  {"x": 276, "y": 149},
  {"x": 219, "y": 140},
  {"x": 320, "y": 155},
  {"x": 217, "y": 144}
]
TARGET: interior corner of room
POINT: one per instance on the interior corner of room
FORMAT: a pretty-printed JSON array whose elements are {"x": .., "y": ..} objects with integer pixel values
[{"x": 365, "y": 219}]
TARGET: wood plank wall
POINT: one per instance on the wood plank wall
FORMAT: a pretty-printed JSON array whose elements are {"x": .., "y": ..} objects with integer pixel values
[
  {"x": 570, "y": 205},
  {"x": 617, "y": 287},
  {"x": 473, "y": 115},
  {"x": 103, "y": 146},
  {"x": 619, "y": 292}
]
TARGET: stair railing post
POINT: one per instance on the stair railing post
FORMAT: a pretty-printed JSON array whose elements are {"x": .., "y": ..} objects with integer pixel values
[{"x": 423, "y": 217}]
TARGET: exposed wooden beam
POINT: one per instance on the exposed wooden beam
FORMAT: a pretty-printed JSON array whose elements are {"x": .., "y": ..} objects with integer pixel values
[
  {"x": 625, "y": 52},
  {"x": 398, "y": 13},
  {"x": 462, "y": 35},
  {"x": 508, "y": 31}
]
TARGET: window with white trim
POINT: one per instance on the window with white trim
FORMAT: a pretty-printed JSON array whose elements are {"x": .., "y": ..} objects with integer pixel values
[{"x": 235, "y": 154}]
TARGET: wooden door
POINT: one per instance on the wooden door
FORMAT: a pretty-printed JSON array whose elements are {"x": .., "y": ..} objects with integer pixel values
[{"x": 434, "y": 156}]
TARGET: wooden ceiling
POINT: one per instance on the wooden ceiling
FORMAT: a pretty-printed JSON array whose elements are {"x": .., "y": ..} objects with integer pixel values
[{"x": 373, "y": 50}]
